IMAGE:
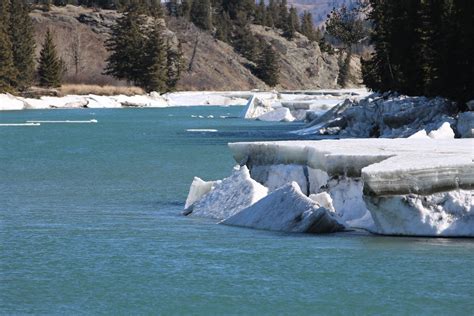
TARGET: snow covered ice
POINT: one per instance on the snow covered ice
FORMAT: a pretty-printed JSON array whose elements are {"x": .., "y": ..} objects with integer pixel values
[{"x": 227, "y": 197}]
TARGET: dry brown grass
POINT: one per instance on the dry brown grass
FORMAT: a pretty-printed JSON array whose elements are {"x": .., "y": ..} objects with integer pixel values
[{"x": 83, "y": 89}]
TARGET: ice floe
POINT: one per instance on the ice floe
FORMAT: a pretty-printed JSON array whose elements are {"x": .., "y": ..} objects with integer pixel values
[
  {"x": 229, "y": 196},
  {"x": 287, "y": 210}
]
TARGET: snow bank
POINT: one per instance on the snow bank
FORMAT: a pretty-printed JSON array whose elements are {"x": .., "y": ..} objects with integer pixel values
[
  {"x": 228, "y": 197},
  {"x": 10, "y": 103},
  {"x": 447, "y": 214},
  {"x": 287, "y": 210}
]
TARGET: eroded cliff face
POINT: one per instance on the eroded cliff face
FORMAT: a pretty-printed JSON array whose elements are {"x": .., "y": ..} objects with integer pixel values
[{"x": 80, "y": 35}]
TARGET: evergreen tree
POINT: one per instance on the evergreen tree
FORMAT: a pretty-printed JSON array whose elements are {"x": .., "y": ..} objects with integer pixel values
[
  {"x": 23, "y": 43},
  {"x": 281, "y": 20},
  {"x": 260, "y": 13},
  {"x": 175, "y": 66},
  {"x": 50, "y": 65},
  {"x": 127, "y": 45},
  {"x": 154, "y": 74},
  {"x": 268, "y": 68},
  {"x": 292, "y": 25},
  {"x": 8, "y": 72},
  {"x": 244, "y": 42},
  {"x": 201, "y": 14},
  {"x": 307, "y": 27}
]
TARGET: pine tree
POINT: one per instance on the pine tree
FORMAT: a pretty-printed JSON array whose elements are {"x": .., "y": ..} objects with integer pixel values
[
  {"x": 281, "y": 20},
  {"x": 8, "y": 73},
  {"x": 268, "y": 68},
  {"x": 260, "y": 13},
  {"x": 127, "y": 45},
  {"x": 244, "y": 42},
  {"x": 154, "y": 72},
  {"x": 50, "y": 65},
  {"x": 23, "y": 43},
  {"x": 307, "y": 27},
  {"x": 175, "y": 64},
  {"x": 201, "y": 14},
  {"x": 292, "y": 24}
]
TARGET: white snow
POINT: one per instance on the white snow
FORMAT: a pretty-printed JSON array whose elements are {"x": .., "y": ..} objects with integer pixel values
[
  {"x": 444, "y": 132},
  {"x": 229, "y": 196},
  {"x": 10, "y": 103},
  {"x": 447, "y": 214},
  {"x": 277, "y": 115},
  {"x": 198, "y": 189},
  {"x": 287, "y": 210},
  {"x": 420, "y": 135}
]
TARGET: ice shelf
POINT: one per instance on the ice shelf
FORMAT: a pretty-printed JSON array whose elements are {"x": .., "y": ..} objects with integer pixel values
[{"x": 387, "y": 166}]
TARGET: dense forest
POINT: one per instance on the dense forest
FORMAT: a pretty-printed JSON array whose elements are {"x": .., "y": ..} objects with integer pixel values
[{"x": 422, "y": 48}]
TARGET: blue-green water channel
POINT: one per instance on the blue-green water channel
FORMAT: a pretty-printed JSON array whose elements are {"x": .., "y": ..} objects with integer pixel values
[{"x": 90, "y": 224}]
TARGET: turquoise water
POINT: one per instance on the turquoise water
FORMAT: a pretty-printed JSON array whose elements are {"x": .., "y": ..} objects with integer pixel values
[{"x": 90, "y": 224}]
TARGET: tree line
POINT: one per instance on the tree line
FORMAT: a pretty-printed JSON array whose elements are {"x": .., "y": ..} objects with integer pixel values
[{"x": 422, "y": 47}]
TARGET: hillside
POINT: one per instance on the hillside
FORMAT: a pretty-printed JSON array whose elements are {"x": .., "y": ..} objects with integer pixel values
[
  {"x": 319, "y": 8},
  {"x": 80, "y": 34}
]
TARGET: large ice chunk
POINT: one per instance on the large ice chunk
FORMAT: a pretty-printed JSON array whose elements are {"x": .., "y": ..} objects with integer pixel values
[
  {"x": 440, "y": 214},
  {"x": 465, "y": 125},
  {"x": 198, "y": 189},
  {"x": 275, "y": 176},
  {"x": 347, "y": 198},
  {"x": 288, "y": 210},
  {"x": 229, "y": 196},
  {"x": 277, "y": 115}
]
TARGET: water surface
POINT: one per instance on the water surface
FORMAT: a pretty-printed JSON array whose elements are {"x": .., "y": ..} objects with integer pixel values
[{"x": 90, "y": 224}]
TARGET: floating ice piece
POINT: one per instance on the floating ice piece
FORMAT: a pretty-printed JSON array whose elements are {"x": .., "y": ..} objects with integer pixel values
[
  {"x": 198, "y": 189},
  {"x": 20, "y": 124},
  {"x": 229, "y": 196},
  {"x": 287, "y": 210},
  {"x": 277, "y": 115},
  {"x": 257, "y": 106},
  {"x": 444, "y": 132},
  {"x": 440, "y": 214},
  {"x": 201, "y": 130},
  {"x": 93, "y": 121}
]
